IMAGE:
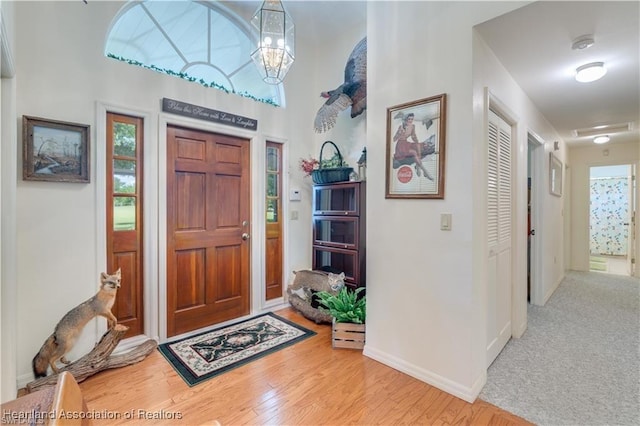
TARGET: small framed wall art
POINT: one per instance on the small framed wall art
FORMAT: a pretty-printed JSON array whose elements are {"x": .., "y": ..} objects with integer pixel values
[
  {"x": 416, "y": 149},
  {"x": 55, "y": 151},
  {"x": 555, "y": 175}
]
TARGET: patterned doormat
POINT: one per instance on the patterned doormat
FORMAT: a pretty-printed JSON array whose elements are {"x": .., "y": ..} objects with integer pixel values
[{"x": 201, "y": 357}]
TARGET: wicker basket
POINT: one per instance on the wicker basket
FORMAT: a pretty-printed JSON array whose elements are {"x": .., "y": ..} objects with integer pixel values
[{"x": 331, "y": 174}]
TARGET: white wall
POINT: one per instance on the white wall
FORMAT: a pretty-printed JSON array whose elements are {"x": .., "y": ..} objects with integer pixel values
[
  {"x": 426, "y": 288},
  {"x": 63, "y": 75},
  {"x": 323, "y": 61},
  {"x": 8, "y": 289},
  {"x": 425, "y": 300},
  {"x": 348, "y": 133},
  {"x": 580, "y": 160},
  {"x": 549, "y": 235},
  {"x": 427, "y": 291},
  {"x": 8, "y": 173}
]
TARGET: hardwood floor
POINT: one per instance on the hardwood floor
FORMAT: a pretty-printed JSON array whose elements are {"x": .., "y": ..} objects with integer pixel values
[{"x": 308, "y": 383}]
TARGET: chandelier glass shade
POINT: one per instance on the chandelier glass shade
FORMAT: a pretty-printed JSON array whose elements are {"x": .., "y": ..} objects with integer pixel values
[{"x": 275, "y": 52}]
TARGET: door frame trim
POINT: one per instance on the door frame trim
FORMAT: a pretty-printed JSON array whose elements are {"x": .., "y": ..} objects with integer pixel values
[
  {"x": 537, "y": 183},
  {"x": 149, "y": 243},
  {"x": 164, "y": 121},
  {"x": 635, "y": 270}
]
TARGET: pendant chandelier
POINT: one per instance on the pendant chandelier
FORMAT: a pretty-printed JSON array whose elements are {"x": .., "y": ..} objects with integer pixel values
[{"x": 275, "y": 52}]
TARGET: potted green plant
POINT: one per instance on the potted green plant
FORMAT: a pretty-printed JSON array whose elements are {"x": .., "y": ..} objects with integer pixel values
[{"x": 348, "y": 309}]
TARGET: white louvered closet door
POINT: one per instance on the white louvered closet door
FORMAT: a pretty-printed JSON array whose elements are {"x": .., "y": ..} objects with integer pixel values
[{"x": 499, "y": 225}]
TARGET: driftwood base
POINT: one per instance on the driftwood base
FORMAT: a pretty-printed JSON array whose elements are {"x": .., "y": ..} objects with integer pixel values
[{"x": 99, "y": 358}]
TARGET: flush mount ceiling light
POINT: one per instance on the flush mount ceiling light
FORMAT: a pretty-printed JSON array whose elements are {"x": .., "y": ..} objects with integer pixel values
[
  {"x": 590, "y": 72},
  {"x": 601, "y": 139}
]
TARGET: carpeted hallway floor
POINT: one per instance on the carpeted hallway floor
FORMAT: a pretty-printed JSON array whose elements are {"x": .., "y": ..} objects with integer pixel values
[{"x": 578, "y": 363}]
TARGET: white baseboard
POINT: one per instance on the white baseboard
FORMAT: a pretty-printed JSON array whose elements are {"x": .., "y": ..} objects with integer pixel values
[
  {"x": 275, "y": 305},
  {"x": 519, "y": 330},
  {"x": 126, "y": 345},
  {"x": 466, "y": 393},
  {"x": 552, "y": 290}
]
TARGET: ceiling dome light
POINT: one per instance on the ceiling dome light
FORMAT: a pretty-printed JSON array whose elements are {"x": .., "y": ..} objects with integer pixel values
[
  {"x": 601, "y": 139},
  {"x": 590, "y": 72}
]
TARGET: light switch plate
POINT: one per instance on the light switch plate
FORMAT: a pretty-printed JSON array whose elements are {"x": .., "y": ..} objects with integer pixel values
[
  {"x": 295, "y": 195},
  {"x": 445, "y": 222}
]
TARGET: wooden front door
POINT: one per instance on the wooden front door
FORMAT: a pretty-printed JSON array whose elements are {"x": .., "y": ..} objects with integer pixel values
[{"x": 208, "y": 211}]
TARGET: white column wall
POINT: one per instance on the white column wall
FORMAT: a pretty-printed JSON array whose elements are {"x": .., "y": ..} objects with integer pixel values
[
  {"x": 425, "y": 298},
  {"x": 427, "y": 288}
]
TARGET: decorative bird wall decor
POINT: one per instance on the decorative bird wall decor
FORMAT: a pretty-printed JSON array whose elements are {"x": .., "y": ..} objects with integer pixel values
[{"x": 353, "y": 92}]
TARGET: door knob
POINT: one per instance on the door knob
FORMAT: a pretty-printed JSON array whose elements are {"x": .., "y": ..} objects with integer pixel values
[{"x": 245, "y": 236}]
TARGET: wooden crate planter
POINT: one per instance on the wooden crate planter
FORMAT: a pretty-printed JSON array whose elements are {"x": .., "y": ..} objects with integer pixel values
[{"x": 347, "y": 335}]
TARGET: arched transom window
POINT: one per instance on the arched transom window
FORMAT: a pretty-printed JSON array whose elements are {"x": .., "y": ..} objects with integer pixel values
[{"x": 200, "y": 41}]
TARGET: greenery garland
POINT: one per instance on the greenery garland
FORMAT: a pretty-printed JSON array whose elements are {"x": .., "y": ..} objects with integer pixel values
[{"x": 185, "y": 76}]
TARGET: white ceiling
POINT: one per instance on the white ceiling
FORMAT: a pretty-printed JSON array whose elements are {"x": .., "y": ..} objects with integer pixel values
[
  {"x": 315, "y": 20},
  {"x": 534, "y": 45}
]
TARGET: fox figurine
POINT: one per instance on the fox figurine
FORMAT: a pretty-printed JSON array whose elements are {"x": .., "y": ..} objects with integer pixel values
[{"x": 68, "y": 329}]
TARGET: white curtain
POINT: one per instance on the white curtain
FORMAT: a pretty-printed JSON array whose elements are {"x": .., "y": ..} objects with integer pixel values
[{"x": 609, "y": 212}]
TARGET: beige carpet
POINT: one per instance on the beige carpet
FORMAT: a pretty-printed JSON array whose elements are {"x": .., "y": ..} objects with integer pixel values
[{"x": 578, "y": 363}]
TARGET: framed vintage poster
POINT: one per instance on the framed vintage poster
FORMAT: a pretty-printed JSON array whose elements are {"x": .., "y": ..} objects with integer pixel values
[
  {"x": 416, "y": 149},
  {"x": 555, "y": 175},
  {"x": 54, "y": 151}
]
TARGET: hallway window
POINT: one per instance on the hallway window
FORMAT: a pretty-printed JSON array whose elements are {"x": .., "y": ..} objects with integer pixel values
[{"x": 204, "y": 42}]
